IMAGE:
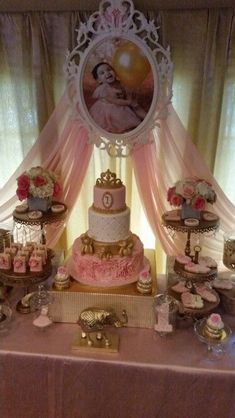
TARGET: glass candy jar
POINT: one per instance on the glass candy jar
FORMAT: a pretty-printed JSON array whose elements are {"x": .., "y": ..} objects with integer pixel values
[
  {"x": 229, "y": 251},
  {"x": 165, "y": 309}
]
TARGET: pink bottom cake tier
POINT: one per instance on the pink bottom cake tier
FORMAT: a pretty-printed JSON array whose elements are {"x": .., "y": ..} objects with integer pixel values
[{"x": 92, "y": 270}]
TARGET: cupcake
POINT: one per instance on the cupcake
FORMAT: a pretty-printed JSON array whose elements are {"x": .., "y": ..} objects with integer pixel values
[
  {"x": 144, "y": 283},
  {"x": 214, "y": 327},
  {"x": 61, "y": 279}
]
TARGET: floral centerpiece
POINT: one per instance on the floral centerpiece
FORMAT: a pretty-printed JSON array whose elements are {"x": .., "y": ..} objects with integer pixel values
[
  {"x": 192, "y": 194},
  {"x": 38, "y": 186}
]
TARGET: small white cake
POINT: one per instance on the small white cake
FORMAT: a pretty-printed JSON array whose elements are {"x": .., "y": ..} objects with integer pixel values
[
  {"x": 214, "y": 327},
  {"x": 145, "y": 283},
  {"x": 61, "y": 279}
]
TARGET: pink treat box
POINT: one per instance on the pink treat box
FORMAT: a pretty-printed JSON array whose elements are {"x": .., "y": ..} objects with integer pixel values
[
  {"x": 5, "y": 261},
  {"x": 19, "y": 264},
  {"x": 30, "y": 245},
  {"x": 16, "y": 245},
  {"x": 40, "y": 253},
  {"x": 11, "y": 251},
  {"x": 42, "y": 247},
  {"x": 24, "y": 253},
  {"x": 35, "y": 263}
]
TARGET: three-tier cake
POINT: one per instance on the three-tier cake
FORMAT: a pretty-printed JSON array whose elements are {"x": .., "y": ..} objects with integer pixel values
[{"x": 108, "y": 254}]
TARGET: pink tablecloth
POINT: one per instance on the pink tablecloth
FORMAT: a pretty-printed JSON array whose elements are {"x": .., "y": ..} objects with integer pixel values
[{"x": 150, "y": 377}]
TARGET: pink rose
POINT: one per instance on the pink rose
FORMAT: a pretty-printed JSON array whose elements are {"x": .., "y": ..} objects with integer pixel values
[
  {"x": 216, "y": 318},
  {"x": 188, "y": 190},
  {"x": 23, "y": 182},
  {"x": 198, "y": 203},
  {"x": 22, "y": 193},
  {"x": 57, "y": 189},
  {"x": 39, "y": 181},
  {"x": 176, "y": 200},
  {"x": 62, "y": 270},
  {"x": 170, "y": 193}
]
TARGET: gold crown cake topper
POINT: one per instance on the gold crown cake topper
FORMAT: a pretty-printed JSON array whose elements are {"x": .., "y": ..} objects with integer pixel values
[{"x": 108, "y": 179}]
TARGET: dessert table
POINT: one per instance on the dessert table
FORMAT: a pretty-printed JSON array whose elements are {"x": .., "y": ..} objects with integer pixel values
[{"x": 150, "y": 376}]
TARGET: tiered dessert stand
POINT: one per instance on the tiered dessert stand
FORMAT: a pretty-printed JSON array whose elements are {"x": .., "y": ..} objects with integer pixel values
[
  {"x": 22, "y": 220},
  {"x": 203, "y": 226},
  {"x": 25, "y": 280}
]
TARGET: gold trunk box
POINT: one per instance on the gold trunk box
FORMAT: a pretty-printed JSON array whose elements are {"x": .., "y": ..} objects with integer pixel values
[{"x": 69, "y": 303}]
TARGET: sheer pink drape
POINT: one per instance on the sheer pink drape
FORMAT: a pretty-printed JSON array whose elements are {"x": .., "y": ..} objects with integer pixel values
[
  {"x": 172, "y": 156},
  {"x": 62, "y": 147}
]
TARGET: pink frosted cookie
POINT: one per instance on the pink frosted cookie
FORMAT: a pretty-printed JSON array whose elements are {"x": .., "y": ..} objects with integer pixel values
[
  {"x": 192, "y": 301},
  {"x": 207, "y": 261},
  {"x": 208, "y": 216},
  {"x": 223, "y": 284},
  {"x": 35, "y": 214},
  {"x": 196, "y": 268},
  {"x": 205, "y": 293},
  {"x": 172, "y": 215},
  {"x": 180, "y": 287},
  {"x": 183, "y": 259},
  {"x": 22, "y": 208}
]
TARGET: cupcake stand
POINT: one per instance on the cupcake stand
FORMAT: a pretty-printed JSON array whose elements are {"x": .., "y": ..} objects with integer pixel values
[{"x": 23, "y": 221}]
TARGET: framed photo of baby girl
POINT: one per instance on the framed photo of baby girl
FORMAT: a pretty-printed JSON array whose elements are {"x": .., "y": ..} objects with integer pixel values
[
  {"x": 118, "y": 86},
  {"x": 119, "y": 76}
]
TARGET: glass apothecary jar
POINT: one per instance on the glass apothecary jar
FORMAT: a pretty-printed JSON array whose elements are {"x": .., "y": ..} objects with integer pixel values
[{"x": 165, "y": 310}]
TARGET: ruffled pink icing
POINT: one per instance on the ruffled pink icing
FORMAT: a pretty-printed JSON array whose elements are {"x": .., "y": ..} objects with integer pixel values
[{"x": 117, "y": 271}]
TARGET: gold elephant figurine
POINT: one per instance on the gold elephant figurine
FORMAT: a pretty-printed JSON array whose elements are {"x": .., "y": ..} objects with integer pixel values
[{"x": 95, "y": 319}]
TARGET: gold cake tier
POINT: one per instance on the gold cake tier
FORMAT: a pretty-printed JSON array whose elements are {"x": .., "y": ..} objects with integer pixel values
[{"x": 107, "y": 249}]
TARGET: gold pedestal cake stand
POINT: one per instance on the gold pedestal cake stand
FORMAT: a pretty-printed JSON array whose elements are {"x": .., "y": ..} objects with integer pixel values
[
  {"x": 49, "y": 217},
  {"x": 204, "y": 226}
]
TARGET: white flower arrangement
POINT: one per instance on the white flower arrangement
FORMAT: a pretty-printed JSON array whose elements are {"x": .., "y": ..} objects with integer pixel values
[
  {"x": 194, "y": 191},
  {"x": 37, "y": 182}
]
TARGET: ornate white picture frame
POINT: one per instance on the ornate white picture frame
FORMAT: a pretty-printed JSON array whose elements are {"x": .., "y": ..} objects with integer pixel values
[{"x": 119, "y": 78}]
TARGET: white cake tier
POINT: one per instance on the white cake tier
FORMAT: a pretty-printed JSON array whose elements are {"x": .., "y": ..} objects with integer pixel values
[{"x": 109, "y": 227}]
